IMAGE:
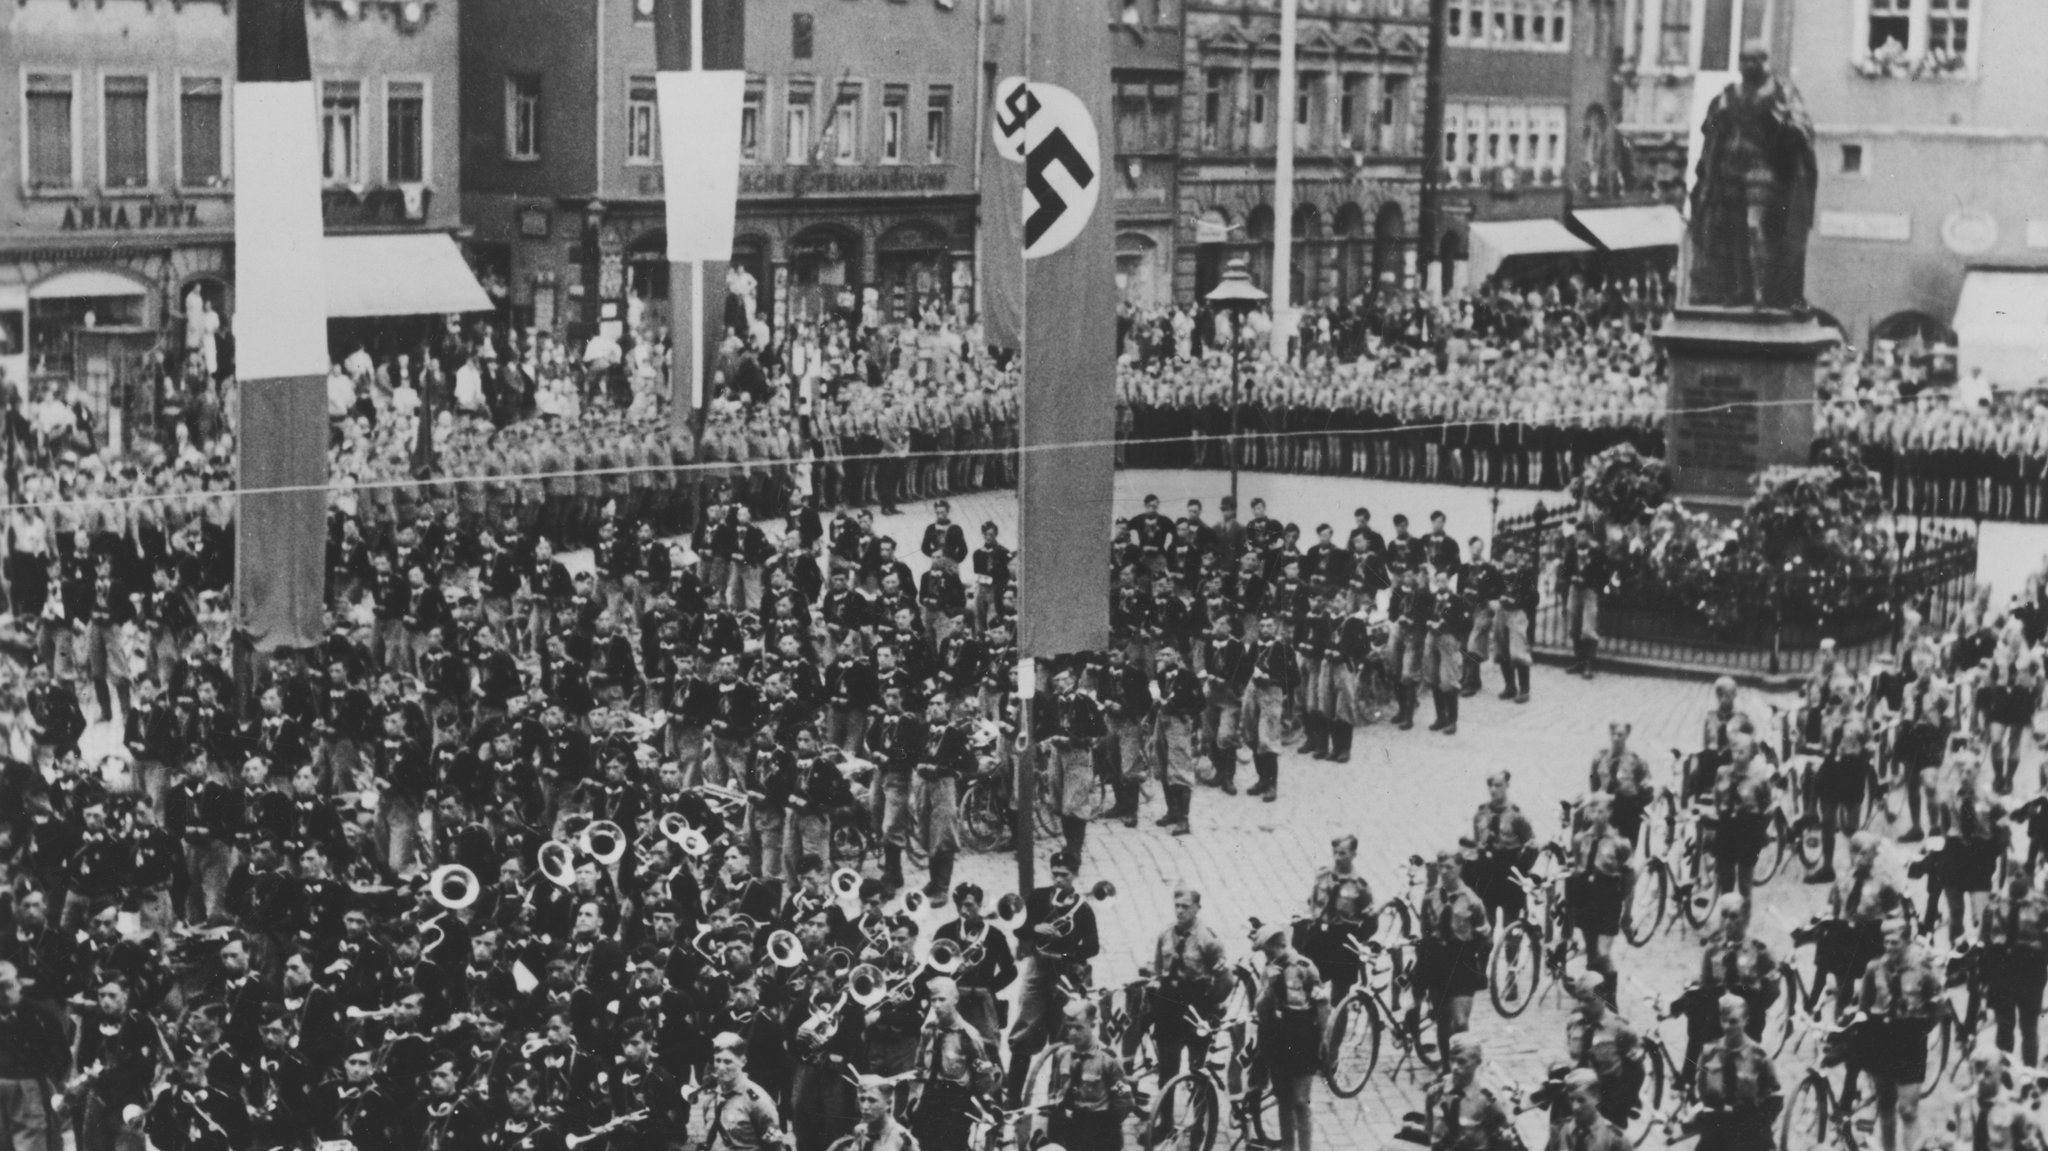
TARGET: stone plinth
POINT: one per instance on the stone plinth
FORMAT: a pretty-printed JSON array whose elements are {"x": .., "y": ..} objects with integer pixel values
[{"x": 1741, "y": 397}]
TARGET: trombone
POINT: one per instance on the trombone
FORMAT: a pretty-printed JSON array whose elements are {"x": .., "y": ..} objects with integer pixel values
[{"x": 868, "y": 985}]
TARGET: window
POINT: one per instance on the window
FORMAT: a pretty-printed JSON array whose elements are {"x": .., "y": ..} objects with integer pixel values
[
  {"x": 800, "y": 36},
  {"x": 1131, "y": 109},
  {"x": 895, "y": 99},
  {"x": 1216, "y": 108},
  {"x": 1891, "y": 22},
  {"x": 1852, "y": 159},
  {"x": 640, "y": 113},
  {"x": 200, "y": 132},
  {"x": 522, "y": 117},
  {"x": 750, "y": 123},
  {"x": 1164, "y": 118},
  {"x": 1394, "y": 115},
  {"x": 1455, "y": 22},
  {"x": 1262, "y": 109},
  {"x": 124, "y": 124},
  {"x": 1307, "y": 100},
  {"x": 52, "y": 122},
  {"x": 1948, "y": 28},
  {"x": 341, "y": 131},
  {"x": 938, "y": 124},
  {"x": 797, "y": 127},
  {"x": 1353, "y": 100},
  {"x": 1454, "y": 119},
  {"x": 846, "y": 125},
  {"x": 405, "y": 131}
]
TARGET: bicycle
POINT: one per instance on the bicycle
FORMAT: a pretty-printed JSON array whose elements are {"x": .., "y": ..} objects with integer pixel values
[
  {"x": 1540, "y": 941},
  {"x": 1186, "y": 1113},
  {"x": 1373, "y": 1010}
]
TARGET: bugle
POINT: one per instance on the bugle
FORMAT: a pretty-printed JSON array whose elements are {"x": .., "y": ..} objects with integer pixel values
[{"x": 1103, "y": 893}]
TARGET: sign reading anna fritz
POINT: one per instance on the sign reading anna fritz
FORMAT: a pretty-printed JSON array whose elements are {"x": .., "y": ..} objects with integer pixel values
[{"x": 124, "y": 216}]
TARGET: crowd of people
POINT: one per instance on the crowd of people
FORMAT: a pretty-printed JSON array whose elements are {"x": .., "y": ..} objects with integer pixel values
[{"x": 538, "y": 854}]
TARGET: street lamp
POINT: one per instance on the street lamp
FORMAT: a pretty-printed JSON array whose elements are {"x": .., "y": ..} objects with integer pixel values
[{"x": 1237, "y": 295}]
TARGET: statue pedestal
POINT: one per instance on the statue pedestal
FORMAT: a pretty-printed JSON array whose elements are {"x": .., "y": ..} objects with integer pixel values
[{"x": 1741, "y": 397}]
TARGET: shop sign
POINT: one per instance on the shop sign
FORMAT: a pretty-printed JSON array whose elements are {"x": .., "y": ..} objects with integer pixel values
[
  {"x": 834, "y": 182},
  {"x": 125, "y": 216}
]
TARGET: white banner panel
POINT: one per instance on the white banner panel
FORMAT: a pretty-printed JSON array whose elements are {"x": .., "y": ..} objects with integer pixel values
[
  {"x": 280, "y": 280},
  {"x": 700, "y": 160}
]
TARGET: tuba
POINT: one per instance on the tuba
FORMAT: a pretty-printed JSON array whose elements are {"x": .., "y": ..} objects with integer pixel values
[
  {"x": 678, "y": 831},
  {"x": 945, "y": 957},
  {"x": 846, "y": 891},
  {"x": 1009, "y": 912},
  {"x": 784, "y": 950},
  {"x": 454, "y": 886},
  {"x": 605, "y": 841},
  {"x": 556, "y": 863}
]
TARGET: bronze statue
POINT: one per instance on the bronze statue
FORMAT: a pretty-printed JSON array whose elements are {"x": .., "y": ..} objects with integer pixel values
[{"x": 1752, "y": 203}]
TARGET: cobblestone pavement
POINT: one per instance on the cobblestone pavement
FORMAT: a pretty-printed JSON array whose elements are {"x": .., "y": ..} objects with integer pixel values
[{"x": 1403, "y": 793}]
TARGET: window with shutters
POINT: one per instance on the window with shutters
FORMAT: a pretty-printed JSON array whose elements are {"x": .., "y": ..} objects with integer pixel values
[
  {"x": 124, "y": 124},
  {"x": 846, "y": 125},
  {"x": 201, "y": 132},
  {"x": 895, "y": 104},
  {"x": 52, "y": 130},
  {"x": 640, "y": 120},
  {"x": 341, "y": 131},
  {"x": 405, "y": 131}
]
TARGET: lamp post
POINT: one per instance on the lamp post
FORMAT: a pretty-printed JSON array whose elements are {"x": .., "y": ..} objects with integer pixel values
[{"x": 1237, "y": 295}]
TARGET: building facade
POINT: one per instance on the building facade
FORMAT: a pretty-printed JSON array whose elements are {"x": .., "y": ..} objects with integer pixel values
[
  {"x": 1672, "y": 56},
  {"x": 857, "y": 181},
  {"x": 118, "y": 175},
  {"x": 1529, "y": 91},
  {"x": 1146, "y": 62},
  {"x": 1358, "y": 143},
  {"x": 1933, "y": 152}
]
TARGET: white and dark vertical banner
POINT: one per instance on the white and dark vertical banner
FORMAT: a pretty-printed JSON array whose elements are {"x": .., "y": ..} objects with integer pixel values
[
  {"x": 700, "y": 85},
  {"x": 280, "y": 326},
  {"x": 1050, "y": 136}
]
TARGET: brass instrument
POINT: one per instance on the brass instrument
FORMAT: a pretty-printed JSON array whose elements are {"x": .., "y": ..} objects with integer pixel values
[
  {"x": 1104, "y": 893},
  {"x": 603, "y": 1129},
  {"x": 454, "y": 886},
  {"x": 1009, "y": 912},
  {"x": 678, "y": 831},
  {"x": 784, "y": 950},
  {"x": 822, "y": 1024},
  {"x": 557, "y": 863},
  {"x": 869, "y": 985},
  {"x": 605, "y": 841}
]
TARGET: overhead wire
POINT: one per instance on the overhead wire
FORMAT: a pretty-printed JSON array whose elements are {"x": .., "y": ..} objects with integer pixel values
[{"x": 705, "y": 466}]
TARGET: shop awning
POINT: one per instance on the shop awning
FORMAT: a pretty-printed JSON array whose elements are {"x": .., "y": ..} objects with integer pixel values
[
  {"x": 2001, "y": 326},
  {"x": 86, "y": 284},
  {"x": 1632, "y": 229},
  {"x": 412, "y": 274},
  {"x": 1494, "y": 241}
]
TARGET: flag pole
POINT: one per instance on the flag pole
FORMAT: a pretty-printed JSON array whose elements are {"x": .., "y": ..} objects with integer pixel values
[
  {"x": 1024, "y": 819},
  {"x": 1283, "y": 188}
]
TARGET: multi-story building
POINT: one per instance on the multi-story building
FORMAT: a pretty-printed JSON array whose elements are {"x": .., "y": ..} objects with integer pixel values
[
  {"x": 1146, "y": 62},
  {"x": 858, "y": 165},
  {"x": 1358, "y": 143},
  {"x": 1528, "y": 127},
  {"x": 118, "y": 177},
  {"x": 1933, "y": 152}
]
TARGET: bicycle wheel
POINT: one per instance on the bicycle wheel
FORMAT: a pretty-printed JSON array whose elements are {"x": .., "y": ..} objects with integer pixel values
[
  {"x": 1645, "y": 912},
  {"x": 1649, "y": 1114},
  {"x": 1514, "y": 971},
  {"x": 1700, "y": 888},
  {"x": 1771, "y": 859},
  {"x": 1783, "y": 1013},
  {"x": 1804, "y": 1125},
  {"x": 1046, "y": 811},
  {"x": 1658, "y": 818},
  {"x": 1183, "y": 1117},
  {"x": 1258, "y": 1120},
  {"x": 849, "y": 844},
  {"x": 1807, "y": 841},
  {"x": 1351, "y": 1047},
  {"x": 1940, "y": 1045},
  {"x": 1394, "y": 922},
  {"x": 984, "y": 817}
]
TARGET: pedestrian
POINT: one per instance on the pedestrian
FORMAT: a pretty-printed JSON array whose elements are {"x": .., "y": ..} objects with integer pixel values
[{"x": 1293, "y": 1009}]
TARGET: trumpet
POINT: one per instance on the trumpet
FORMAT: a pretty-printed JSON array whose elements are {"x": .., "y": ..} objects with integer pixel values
[
  {"x": 823, "y": 1024},
  {"x": 602, "y": 1129},
  {"x": 1104, "y": 892}
]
